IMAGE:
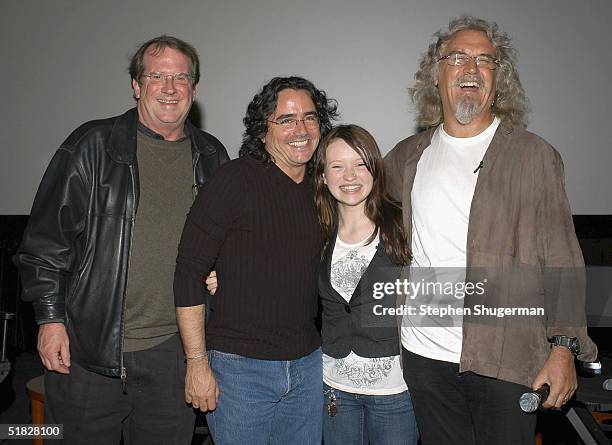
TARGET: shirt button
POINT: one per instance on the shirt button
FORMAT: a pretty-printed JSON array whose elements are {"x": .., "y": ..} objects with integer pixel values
[{"x": 347, "y": 308}]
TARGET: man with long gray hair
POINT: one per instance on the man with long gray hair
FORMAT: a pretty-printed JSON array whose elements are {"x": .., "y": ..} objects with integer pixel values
[{"x": 486, "y": 210}]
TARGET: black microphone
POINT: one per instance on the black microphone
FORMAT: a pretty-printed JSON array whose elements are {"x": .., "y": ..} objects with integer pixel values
[
  {"x": 531, "y": 401},
  {"x": 480, "y": 165}
]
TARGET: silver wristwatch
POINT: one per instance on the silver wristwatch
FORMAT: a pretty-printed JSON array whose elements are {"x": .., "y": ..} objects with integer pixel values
[{"x": 570, "y": 343}]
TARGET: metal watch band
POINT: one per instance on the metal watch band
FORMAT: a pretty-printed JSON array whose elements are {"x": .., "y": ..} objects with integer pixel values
[{"x": 570, "y": 343}]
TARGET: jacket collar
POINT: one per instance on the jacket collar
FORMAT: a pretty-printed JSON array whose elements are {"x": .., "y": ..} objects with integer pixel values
[
  {"x": 498, "y": 143},
  {"x": 122, "y": 143},
  {"x": 423, "y": 141}
]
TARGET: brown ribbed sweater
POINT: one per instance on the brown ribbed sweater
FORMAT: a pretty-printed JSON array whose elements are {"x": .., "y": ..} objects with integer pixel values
[{"x": 258, "y": 229}]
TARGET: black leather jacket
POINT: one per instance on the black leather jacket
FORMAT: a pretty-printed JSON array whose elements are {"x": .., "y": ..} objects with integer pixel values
[{"x": 74, "y": 254}]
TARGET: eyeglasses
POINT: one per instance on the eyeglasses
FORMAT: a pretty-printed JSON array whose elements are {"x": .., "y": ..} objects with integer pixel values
[
  {"x": 462, "y": 59},
  {"x": 178, "y": 78},
  {"x": 289, "y": 123}
]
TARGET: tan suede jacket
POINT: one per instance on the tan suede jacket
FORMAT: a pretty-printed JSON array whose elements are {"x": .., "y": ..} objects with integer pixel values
[{"x": 521, "y": 238}]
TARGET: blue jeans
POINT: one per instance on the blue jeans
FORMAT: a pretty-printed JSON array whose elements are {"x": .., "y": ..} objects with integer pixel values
[
  {"x": 379, "y": 420},
  {"x": 267, "y": 401}
]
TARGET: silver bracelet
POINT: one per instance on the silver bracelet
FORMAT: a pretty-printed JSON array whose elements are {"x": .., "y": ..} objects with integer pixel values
[{"x": 195, "y": 357}]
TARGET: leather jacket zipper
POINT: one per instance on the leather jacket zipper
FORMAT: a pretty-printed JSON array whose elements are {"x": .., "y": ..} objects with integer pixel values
[
  {"x": 194, "y": 187},
  {"x": 122, "y": 330}
]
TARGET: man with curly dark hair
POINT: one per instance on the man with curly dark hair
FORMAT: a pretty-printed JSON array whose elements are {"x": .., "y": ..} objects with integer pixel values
[
  {"x": 259, "y": 372},
  {"x": 484, "y": 205}
]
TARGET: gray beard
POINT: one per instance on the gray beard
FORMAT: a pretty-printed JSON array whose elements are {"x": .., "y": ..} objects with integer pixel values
[{"x": 466, "y": 111}]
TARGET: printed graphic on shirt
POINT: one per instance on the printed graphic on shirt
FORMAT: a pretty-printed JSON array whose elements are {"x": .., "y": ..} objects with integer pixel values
[
  {"x": 347, "y": 271},
  {"x": 362, "y": 372}
]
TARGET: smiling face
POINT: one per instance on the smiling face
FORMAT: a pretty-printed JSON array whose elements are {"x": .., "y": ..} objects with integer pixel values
[
  {"x": 163, "y": 106},
  {"x": 292, "y": 147},
  {"x": 347, "y": 177},
  {"x": 467, "y": 92}
]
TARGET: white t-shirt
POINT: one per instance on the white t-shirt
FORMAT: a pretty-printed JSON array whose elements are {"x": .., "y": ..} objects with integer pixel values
[
  {"x": 355, "y": 374},
  {"x": 441, "y": 199}
]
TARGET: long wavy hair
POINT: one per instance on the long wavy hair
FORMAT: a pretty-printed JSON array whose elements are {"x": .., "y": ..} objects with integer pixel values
[
  {"x": 511, "y": 105},
  {"x": 263, "y": 105},
  {"x": 379, "y": 208}
]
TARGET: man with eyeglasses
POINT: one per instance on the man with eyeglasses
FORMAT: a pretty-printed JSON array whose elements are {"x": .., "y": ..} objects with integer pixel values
[
  {"x": 485, "y": 206},
  {"x": 258, "y": 370},
  {"x": 98, "y": 256}
]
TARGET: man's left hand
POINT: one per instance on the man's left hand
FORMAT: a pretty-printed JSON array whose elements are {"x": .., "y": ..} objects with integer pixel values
[{"x": 560, "y": 374}]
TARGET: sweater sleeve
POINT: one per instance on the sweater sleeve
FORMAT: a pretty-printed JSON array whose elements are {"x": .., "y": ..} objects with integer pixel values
[{"x": 215, "y": 211}]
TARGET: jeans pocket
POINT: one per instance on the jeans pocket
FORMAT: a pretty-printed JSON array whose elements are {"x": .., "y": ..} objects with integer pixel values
[{"x": 223, "y": 355}]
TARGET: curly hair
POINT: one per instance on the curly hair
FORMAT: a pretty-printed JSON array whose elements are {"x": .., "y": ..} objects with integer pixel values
[
  {"x": 156, "y": 45},
  {"x": 379, "y": 208},
  {"x": 510, "y": 105},
  {"x": 263, "y": 105}
]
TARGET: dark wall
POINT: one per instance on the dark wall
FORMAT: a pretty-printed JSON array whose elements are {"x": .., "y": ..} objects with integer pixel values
[
  {"x": 22, "y": 329},
  {"x": 595, "y": 236}
]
